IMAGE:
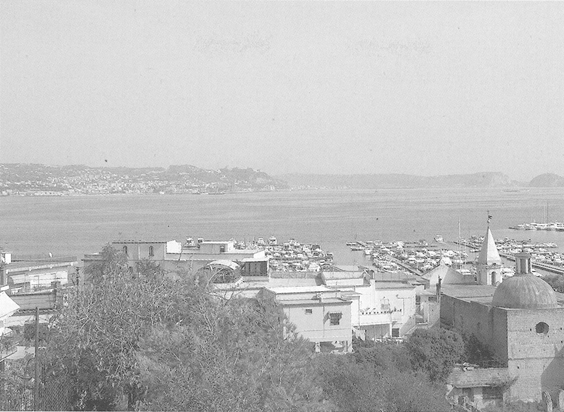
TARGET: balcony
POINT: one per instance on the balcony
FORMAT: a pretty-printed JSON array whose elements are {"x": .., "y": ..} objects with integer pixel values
[{"x": 378, "y": 317}]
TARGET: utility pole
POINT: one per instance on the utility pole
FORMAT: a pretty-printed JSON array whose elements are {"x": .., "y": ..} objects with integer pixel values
[{"x": 36, "y": 383}]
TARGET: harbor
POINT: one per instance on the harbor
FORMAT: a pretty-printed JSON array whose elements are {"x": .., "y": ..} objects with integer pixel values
[
  {"x": 420, "y": 257},
  {"x": 543, "y": 254},
  {"x": 556, "y": 226},
  {"x": 416, "y": 257}
]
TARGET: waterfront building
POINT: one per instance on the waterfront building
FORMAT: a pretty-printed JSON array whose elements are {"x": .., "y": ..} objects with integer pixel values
[
  {"x": 35, "y": 275},
  {"x": 37, "y": 282},
  {"x": 320, "y": 314},
  {"x": 192, "y": 256},
  {"x": 382, "y": 306}
]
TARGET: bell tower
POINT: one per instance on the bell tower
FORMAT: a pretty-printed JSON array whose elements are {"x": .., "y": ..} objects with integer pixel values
[{"x": 489, "y": 262}]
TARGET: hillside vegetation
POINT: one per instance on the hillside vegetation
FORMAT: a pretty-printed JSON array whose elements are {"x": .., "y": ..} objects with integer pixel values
[{"x": 143, "y": 341}]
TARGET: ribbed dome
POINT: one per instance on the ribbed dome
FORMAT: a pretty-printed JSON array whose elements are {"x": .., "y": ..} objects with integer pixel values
[{"x": 524, "y": 292}]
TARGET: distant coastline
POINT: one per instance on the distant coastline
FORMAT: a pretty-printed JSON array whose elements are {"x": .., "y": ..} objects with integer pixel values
[
  {"x": 41, "y": 180},
  {"x": 406, "y": 181}
]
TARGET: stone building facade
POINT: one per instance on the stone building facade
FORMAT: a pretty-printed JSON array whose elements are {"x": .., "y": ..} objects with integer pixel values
[{"x": 522, "y": 323}]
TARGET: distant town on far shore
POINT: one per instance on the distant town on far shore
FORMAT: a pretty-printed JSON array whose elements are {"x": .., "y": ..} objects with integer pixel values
[{"x": 19, "y": 179}]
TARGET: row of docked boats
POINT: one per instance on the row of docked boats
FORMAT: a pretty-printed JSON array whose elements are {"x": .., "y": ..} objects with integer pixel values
[
  {"x": 556, "y": 226},
  {"x": 294, "y": 256},
  {"x": 419, "y": 256},
  {"x": 541, "y": 252}
]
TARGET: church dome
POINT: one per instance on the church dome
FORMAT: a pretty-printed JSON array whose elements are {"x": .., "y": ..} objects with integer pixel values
[{"x": 524, "y": 291}]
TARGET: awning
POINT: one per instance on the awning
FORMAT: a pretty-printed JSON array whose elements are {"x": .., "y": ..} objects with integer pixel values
[
  {"x": 7, "y": 306},
  {"x": 227, "y": 263}
]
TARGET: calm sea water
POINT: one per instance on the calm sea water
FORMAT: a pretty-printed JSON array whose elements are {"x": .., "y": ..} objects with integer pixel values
[{"x": 83, "y": 224}]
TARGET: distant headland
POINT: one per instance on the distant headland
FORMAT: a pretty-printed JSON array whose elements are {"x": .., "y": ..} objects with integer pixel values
[{"x": 381, "y": 181}]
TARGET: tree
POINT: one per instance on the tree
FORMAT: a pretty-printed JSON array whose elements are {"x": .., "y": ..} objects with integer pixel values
[
  {"x": 348, "y": 385},
  {"x": 412, "y": 392},
  {"x": 384, "y": 357},
  {"x": 142, "y": 340},
  {"x": 478, "y": 353},
  {"x": 372, "y": 381},
  {"x": 112, "y": 263},
  {"x": 435, "y": 351},
  {"x": 16, "y": 382},
  {"x": 230, "y": 356},
  {"x": 94, "y": 340},
  {"x": 556, "y": 282}
]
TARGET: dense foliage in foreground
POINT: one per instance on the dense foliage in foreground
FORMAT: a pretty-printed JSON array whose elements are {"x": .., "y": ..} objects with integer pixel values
[{"x": 143, "y": 341}]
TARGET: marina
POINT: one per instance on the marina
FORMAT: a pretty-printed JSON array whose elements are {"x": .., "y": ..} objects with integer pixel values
[
  {"x": 556, "y": 226},
  {"x": 416, "y": 257},
  {"x": 288, "y": 256},
  {"x": 543, "y": 254},
  {"x": 421, "y": 257}
]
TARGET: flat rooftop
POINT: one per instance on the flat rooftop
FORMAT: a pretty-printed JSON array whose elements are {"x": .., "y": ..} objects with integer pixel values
[
  {"x": 43, "y": 264},
  {"x": 471, "y": 293},
  {"x": 343, "y": 275},
  {"x": 301, "y": 289},
  {"x": 393, "y": 285},
  {"x": 310, "y": 302},
  {"x": 139, "y": 242}
]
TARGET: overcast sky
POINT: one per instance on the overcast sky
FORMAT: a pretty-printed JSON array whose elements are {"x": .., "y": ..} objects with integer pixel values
[{"x": 311, "y": 87}]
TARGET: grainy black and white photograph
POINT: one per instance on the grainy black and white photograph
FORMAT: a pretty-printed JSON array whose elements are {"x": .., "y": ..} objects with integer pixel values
[{"x": 281, "y": 206}]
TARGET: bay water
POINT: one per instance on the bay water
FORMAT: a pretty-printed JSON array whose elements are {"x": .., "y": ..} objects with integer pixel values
[{"x": 74, "y": 225}]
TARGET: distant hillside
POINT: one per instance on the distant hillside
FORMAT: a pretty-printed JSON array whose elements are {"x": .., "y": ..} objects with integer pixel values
[
  {"x": 37, "y": 179},
  {"x": 547, "y": 180},
  {"x": 488, "y": 179}
]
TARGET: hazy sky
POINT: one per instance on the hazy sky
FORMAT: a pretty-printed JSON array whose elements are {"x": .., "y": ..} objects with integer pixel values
[{"x": 314, "y": 87}]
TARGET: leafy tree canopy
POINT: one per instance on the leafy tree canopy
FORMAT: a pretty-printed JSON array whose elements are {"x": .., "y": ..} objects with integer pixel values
[
  {"x": 137, "y": 339},
  {"x": 435, "y": 351}
]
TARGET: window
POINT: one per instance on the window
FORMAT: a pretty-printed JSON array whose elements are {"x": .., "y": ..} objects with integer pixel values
[
  {"x": 151, "y": 251},
  {"x": 395, "y": 332},
  {"x": 124, "y": 249},
  {"x": 309, "y": 311},
  {"x": 541, "y": 328},
  {"x": 468, "y": 392},
  {"x": 385, "y": 305},
  {"x": 222, "y": 249},
  {"x": 335, "y": 318},
  {"x": 495, "y": 392}
]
